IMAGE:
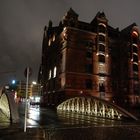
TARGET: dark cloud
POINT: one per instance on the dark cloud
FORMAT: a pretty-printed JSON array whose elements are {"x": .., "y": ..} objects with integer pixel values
[{"x": 22, "y": 23}]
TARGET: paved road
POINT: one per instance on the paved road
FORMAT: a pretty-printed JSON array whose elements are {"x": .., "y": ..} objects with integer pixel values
[
  {"x": 47, "y": 124},
  {"x": 46, "y": 118}
]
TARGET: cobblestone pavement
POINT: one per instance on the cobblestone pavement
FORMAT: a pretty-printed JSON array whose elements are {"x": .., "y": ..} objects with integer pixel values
[{"x": 76, "y": 133}]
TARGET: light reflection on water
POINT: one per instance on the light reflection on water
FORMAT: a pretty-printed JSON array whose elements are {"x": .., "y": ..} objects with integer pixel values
[
  {"x": 33, "y": 115},
  {"x": 86, "y": 120}
]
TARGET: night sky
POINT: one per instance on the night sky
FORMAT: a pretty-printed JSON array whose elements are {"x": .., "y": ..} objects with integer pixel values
[{"x": 22, "y": 23}]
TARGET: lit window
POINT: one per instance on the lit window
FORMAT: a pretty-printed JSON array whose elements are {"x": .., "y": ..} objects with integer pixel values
[
  {"x": 54, "y": 72},
  {"x": 101, "y": 79},
  {"x": 49, "y": 43},
  {"x": 54, "y": 37},
  {"x": 50, "y": 73},
  {"x": 102, "y": 68}
]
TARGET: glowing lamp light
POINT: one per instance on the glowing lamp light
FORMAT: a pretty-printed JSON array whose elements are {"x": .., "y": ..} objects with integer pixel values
[
  {"x": 34, "y": 83},
  {"x": 135, "y": 34},
  {"x": 107, "y": 55},
  {"x": 13, "y": 81}
]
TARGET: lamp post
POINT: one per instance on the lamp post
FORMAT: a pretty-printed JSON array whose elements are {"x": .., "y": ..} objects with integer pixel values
[{"x": 27, "y": 73}]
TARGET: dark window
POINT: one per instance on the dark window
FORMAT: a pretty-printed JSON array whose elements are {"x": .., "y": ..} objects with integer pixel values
[
  {"x": 48, "y": 86},
  {"x": 101, "y": 38},
  {"x": 136, "y": 89},
  {"x": 101, "y": 58},
  {"x": 135, "y": 67},
  {"x": 88, "y": 84},
  {"x": 89, "y": 68},
  {"x": 61, "y": 56},
  {"x": 101, "y": 88},
  {"x": 89, "y": 54},
  {"x": 102, "y": 29},
  {"x": 101, "y": 48},
  {"x": 135, "y": 40},
  {"x": 89, "y": 45},
  {"x": 135, "y": 50},
  {"x": 53, "y": 84},
  {"x": 135, "y": 58},
  {"x": 135, "y": 75}
]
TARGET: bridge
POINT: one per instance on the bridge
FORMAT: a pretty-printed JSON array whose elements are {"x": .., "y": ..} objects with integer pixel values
[
  {"x": 94, "y": 106},
  {"x": 8, "y": 108}
]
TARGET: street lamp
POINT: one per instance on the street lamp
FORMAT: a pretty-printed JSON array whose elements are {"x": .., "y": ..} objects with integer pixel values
[
  {"x": 34, "y": 83},
  {"x": 13, "y": 81}
]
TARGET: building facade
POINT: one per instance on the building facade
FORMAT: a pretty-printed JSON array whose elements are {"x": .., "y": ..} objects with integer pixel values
[{"x": 80, "y": 58}]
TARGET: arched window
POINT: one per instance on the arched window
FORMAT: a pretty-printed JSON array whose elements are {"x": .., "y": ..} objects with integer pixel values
[
  {"x": 135, "y": 67},
  {"x": 135, "y": 40},
  {"x": 135, "y": 49},
  {"x": 101, "y": 38},
  {"x": 102, "y": 29},
  {"x": 135, "y": 58},
  {"x": 101, "y": 58},
  {"x": 101, "y": 48}
]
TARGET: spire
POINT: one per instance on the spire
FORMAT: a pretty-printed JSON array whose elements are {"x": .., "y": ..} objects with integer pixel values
[
  {"x": 50, "y": 24},
  {"x": 70, "y": 18},
  {"x": 44, "y": 43},
  {"x": 45, "y": 32},
  {"x": 100, "y": 15},
  {"x": 71, "y": 12}
]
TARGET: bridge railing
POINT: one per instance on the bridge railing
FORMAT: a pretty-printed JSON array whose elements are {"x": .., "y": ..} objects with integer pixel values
[
  {"x": 8, "y": 107},
  {"x": 94, "y": 106}
]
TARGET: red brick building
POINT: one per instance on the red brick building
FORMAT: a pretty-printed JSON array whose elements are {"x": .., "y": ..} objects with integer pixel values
[{"x": 80, "y": 58}]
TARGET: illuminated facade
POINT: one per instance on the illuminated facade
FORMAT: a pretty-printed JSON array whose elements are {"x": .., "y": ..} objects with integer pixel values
[{"x": 93, "y": 58}]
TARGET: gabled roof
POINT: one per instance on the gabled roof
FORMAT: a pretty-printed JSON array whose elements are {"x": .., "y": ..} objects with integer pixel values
[
  {"x": 72, "y": 12},
  {"x": 128, "y": 29},
  {"x": 98, "y": 15}
]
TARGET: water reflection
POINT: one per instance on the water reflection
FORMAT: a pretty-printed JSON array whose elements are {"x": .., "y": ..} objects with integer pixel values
[
  {"x": 76, "y": 119},
  {"x": 34, "y": 113}
]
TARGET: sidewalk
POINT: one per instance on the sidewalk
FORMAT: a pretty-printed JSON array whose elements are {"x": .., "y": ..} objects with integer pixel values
[
  {"x": 86, "y": 133},
  {"x": 16, "y": 133}
]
